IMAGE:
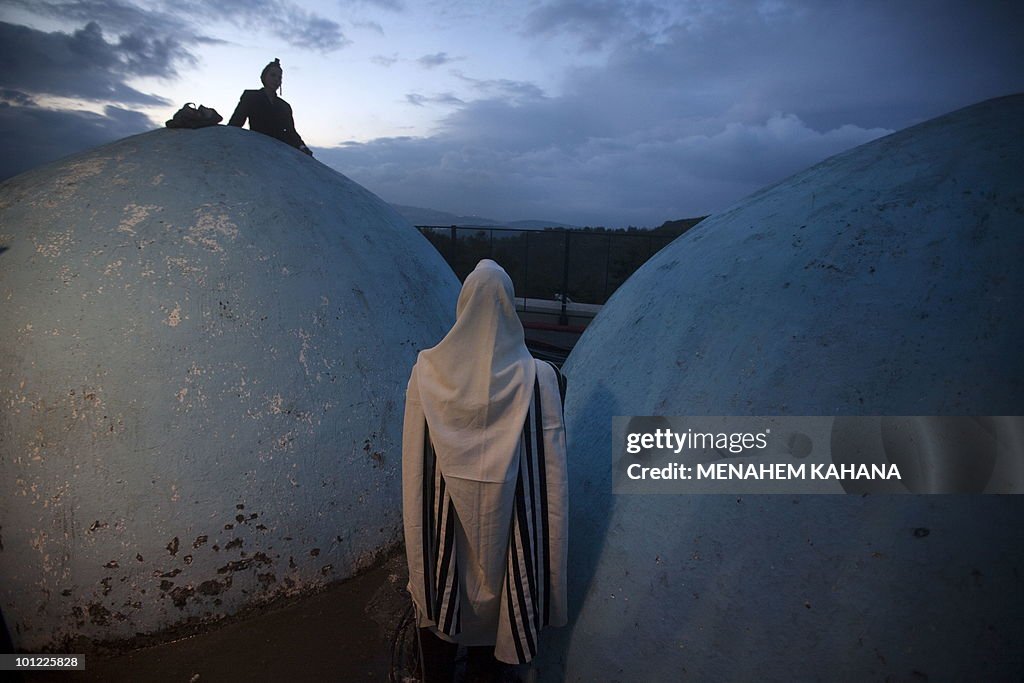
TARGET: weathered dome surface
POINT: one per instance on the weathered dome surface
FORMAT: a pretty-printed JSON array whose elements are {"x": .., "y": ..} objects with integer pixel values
[
  {"x": 883, "y": 281},
  {"x": 205, "y": 338}
]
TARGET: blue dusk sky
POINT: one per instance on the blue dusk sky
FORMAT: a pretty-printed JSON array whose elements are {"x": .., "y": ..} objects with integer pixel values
[{"x": 602, "y": 112}]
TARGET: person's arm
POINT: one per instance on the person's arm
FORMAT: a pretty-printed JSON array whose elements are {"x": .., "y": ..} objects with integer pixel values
[
  {"x": 302, "y": 145},
  {"x": 552, "y": 390},
  {"x": 241, "y": 113},
  {"x": 413, "y": 434},
  {"x": 296, "y": 139}
]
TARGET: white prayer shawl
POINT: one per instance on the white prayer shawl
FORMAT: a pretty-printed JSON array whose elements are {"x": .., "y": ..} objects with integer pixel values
[
  {"x": 475, "y": 386},
  {"x": 486, "y": 541}
]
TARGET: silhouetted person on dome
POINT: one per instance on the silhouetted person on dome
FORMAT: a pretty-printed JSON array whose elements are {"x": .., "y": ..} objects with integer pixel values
[{"x": 268, "y": 113}]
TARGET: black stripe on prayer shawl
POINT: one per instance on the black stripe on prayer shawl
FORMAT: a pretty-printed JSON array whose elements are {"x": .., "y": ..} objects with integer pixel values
[
  {"x": 441, "y": 489},
  {"x": 534, "y": 546},
  {"x": 516, "y": 640},
  {"x": 520, "y": 593},
  {"x": 450, "y": 574},
  {"x": 526, "y": 547},
  {"x": 437, "y": 522}
]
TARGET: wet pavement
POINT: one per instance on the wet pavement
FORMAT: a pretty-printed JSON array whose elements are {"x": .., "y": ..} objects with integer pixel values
[{"x": 340, "y": 634}]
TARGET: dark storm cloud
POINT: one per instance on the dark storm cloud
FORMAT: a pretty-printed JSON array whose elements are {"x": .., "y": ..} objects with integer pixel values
[
  {"x": 34, "y": 136},
  {"x": 369, "y": 26},
  {"x": 15, "y": 97},
  {"x": 111, "y": 14},
  {"x": 434, "y": 60},
  {"x": 83, "y": 64},
  {"x": 507, "y": 169},
  {"x": 392, "y": 5},
  {"x": 385, "y": 60},
  {"x": 286, "y": 20},
  {"x": 867, "y": 63},
  {"x": 419, "y": 100},
  {"x": 301, "y": 29},
  {"x": 147, "y": 54},
  {"x": 689, "y": 115},
  {"x": 502, "y": 87},
  {"x": 178, "y": 19},
  {"x": 593, "y": 22}
]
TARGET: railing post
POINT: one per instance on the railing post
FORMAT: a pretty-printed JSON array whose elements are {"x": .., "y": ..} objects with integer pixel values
[
  {"x": 607, "y": 266},
  {"x": 526, "y": 270},
  {"x": 454, "y": 254}
]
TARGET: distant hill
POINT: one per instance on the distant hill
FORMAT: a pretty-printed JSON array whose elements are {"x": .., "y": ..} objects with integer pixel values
[
  {"x": 421, "y": 216},
  {"x": 418, "y": 215},
  {"x": 540, "y": 225}
]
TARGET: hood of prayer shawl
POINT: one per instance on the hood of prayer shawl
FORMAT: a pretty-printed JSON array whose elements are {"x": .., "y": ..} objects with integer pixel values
[{"x": 476, "y": 385}]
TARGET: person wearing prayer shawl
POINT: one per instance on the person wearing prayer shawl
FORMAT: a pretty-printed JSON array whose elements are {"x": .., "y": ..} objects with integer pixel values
[{"x": 484, "y": 487}]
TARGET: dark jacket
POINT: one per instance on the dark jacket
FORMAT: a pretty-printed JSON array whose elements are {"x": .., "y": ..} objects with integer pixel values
[{"x": 270, "y": 118}]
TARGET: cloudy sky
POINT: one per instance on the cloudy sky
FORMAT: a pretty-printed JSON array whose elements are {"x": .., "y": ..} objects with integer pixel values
[{"x": 591, "y": 112}]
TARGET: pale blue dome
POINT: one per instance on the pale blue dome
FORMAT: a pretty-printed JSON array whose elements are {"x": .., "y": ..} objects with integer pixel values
[
  {"x": 884, "y": 281},
  {"x": 205, "y": 337}
]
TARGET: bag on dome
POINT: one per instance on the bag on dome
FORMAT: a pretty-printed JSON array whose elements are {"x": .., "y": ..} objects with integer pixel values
[{"x": 191, "y": 117}]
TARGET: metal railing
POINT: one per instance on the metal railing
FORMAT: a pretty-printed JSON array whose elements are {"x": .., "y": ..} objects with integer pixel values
[{"x": 585, "y": 265}]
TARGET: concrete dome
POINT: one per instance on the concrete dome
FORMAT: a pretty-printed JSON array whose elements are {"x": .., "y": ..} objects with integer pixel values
[
  {"x": 204, "y": 342},
  {"x": 883, "y": 281}
]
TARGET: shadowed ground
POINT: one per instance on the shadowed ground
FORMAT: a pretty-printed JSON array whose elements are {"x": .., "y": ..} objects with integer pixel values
[{"x": 340, "y": 634}]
